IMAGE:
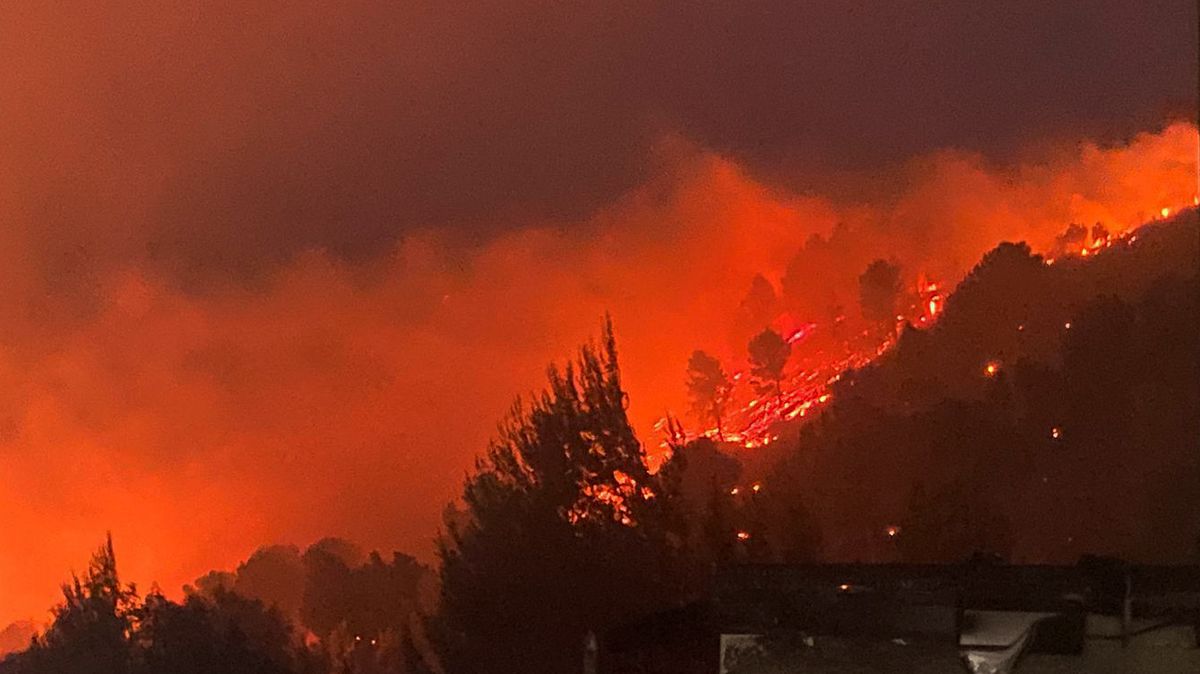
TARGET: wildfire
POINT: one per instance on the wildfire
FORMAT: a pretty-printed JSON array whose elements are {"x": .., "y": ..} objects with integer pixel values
[
  {"x": 609, "y": 499},
  {"x": 800, "y": 333},
  {"x": 753, "y": 419}
]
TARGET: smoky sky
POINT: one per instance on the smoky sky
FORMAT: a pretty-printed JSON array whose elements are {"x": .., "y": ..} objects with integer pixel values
[
  {"x": 273, "y": 272},
  {"x": 218, "y": 139}
]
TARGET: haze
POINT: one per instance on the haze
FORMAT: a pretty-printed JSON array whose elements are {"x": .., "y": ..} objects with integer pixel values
[{"x": 273, "y": 272}]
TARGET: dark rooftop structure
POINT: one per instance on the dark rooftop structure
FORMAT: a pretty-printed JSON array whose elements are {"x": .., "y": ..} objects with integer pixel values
[{"x": 1099, "y": 615}]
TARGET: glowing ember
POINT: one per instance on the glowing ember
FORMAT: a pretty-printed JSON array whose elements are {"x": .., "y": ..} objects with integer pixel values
[
  {"x": 756, "y": 488},
  {"x": 893, "y": 531},
  {"x": 734, "y": 492},
  {"x": 1166, "y": 212},
  {"x": 743, "y": 535},
  {"x": 800, "y": 333},
  {"x": 1056, "y": 432},
  {"x": 844, "y": 587},
  {"x": 753, "y": 419}
]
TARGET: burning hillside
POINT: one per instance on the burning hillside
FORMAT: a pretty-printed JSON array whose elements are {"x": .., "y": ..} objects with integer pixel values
[
  {"x": 327, "y": 386},
  {"x": 821, "y": 353}
]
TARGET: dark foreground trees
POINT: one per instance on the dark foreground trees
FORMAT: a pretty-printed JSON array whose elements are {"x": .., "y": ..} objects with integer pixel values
[
  {"x": 568, "y": 531},
  {"x": 104, "y": 627},
  {"x": 1081, "y": 438}
]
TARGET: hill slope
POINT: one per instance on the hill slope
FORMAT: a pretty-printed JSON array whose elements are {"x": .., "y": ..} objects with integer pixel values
[{"x": 1054, "y": 410}]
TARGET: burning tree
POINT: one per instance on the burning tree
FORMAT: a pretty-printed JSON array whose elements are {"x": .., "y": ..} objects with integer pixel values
[
  {"x": 709, "y": 388},
  {"x": 769, "y": 354}
]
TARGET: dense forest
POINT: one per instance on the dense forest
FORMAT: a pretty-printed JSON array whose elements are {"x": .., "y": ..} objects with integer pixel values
[{"x": 1052, "y": 411}]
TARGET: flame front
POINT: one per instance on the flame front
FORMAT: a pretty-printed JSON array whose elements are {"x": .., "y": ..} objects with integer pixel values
[{"x": 755, "y": 420}]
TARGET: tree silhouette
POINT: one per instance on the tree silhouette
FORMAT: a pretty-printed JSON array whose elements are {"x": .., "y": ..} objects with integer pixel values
[
  {"x": 102, "y": 627},
  {"x": 92, "y": 625},
  {"x": 769, "y": 354},
  {"x": 702, "y": 477},
  {"x": 708, "y": 387},
  {"x": 226, "y": 633},
  {"x": 879, "y": 289},
  {"x": 274, "y": 575},
  {"x": 759, "y": 305},
  {"x": 568, "y": 530}
]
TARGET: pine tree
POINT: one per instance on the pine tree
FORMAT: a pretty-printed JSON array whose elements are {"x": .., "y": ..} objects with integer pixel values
[
  {"x": 769, "y": 354},
  {"x": 709, "y": 388},
  {"x": 568, "y": 530}
]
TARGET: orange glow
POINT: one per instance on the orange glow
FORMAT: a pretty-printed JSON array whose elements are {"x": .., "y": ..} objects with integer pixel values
[
  {"x": 734, "y": 492},
  {"x": 1165, "y": 212},
  {"x": 268, "y": 386},
  {"x": 1067, "y": 325},
  {"x": 893, "y": 531},
  {"x": 1055, "y": 433},
  {"x": 756, "y": 488},
  {"x": 844, "y": 587},
  {"x": 743, "y": 535},
  {"x": 991, "y": 369}
]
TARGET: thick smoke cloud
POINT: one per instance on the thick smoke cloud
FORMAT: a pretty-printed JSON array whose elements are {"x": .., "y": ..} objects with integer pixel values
[
  {"x": 212, "y": 139},
  {"x": 342, "y": 399},
  {"x": 268, "y": 275}
]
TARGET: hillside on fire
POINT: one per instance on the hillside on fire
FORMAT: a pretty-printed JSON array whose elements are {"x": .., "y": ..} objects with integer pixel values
[
  {"x": 1048, "y": 413},
  {"x": 544, "y": 337},
  {"x": 1051, "y": 411}
]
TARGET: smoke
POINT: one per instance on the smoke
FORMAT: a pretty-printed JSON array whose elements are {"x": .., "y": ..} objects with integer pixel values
[
  {"x": 272, "y": 274},
  {"x": 336, "y": 398},
  {"x": 210, "y": 140}
]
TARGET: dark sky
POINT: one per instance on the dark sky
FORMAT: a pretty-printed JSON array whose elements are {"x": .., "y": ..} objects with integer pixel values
[
  {"x": 271, "y": 272},
  {"x": 222, "y": 138}
]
